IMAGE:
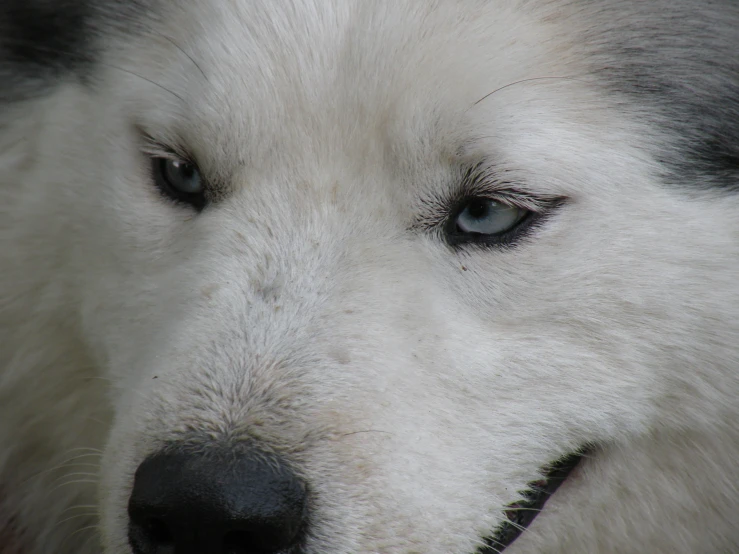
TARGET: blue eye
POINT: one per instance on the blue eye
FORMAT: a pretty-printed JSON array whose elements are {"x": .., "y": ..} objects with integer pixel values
[
  {"x": 487, "y": 222},
  {"x": 179, "y": 180},
  {"x": 485, "y": 217}
]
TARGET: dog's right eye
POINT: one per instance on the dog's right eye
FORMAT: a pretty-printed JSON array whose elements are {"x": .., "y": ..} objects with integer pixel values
[
  {"x": 487, "y": 222},
  {"x": 483, "y": 217},
  {"x": 180, "y": 181}
]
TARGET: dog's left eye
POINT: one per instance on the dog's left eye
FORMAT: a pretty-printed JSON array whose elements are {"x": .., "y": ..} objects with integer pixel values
[
  {"x": 179, "y": 180},
  {"x": 484, "y": 220}
]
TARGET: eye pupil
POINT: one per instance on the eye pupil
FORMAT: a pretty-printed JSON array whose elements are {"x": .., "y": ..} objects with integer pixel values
[
  {"x": 479, "y": 208},
  {"x": 186, "y": 169},
  {"x": 179, "y": 180},
  {"x": 182, "y": 176}
]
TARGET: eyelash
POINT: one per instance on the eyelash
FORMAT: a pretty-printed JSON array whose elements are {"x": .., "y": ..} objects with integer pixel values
[
  {"x": 154, "y": 149},
  {"x": 438, "y": 210},
  {"x": 477, "y": 183}
]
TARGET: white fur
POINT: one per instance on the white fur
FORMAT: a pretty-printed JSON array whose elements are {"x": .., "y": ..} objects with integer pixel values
[{"x": 419, "y": 388}]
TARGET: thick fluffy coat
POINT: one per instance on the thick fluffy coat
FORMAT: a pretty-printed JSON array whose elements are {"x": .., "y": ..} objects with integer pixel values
[{"x": 323, "y": 302}]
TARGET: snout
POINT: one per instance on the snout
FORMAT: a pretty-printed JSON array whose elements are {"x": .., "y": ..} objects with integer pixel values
[{"x": 215, "y": 500}]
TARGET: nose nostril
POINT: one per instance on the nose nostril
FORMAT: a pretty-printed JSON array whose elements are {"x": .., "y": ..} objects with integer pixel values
[
  {"x": 236, "y": 542},
  {"x": 259, "y": 542},
  {"x": 151, "y": 536},
  {"x": 158, "y": 533}
]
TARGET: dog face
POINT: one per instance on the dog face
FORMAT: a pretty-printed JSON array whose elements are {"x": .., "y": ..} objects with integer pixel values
[{"x": 411, "y": 253}]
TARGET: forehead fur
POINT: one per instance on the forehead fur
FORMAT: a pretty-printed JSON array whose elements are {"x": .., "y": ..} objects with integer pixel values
[
  {"x": 329, "y": 76},
  {"x": 324, "y": 77}
]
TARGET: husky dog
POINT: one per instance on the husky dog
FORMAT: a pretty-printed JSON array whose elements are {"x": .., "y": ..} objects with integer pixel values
[{"x": 369, "y": 276}]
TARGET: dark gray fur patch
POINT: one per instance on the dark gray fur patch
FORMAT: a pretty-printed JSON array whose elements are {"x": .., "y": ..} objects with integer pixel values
[
  {"x": 43, "y": 41},
  {"x": 677, "y": 62}
]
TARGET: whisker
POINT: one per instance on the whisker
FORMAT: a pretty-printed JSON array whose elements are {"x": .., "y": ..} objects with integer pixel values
[
  {"x": 74, "y": 474},
  {"x": 42, "y": 49},
  {"x": 366, "y": 431},
  {"x": 80, "y": 507},
  {"x": 81, "y": 530},
  {"x": 89, "y": 542},
  {"x": 489, "y": 546},
  {"x": 73, "y": 482},
  {"x": 65, "y": 463},
  {"x": 189, "y": 57},
  {"x": 561, "y": 77},
  {"x": 145, "y": 79},
  {"x": 523, "y": 509},
  {"x": 515, "y": 525},
  {"x": 76, "y": 516}
]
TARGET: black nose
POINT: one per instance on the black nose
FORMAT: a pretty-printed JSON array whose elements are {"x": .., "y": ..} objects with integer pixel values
[{"x": 215, "y": 501}]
